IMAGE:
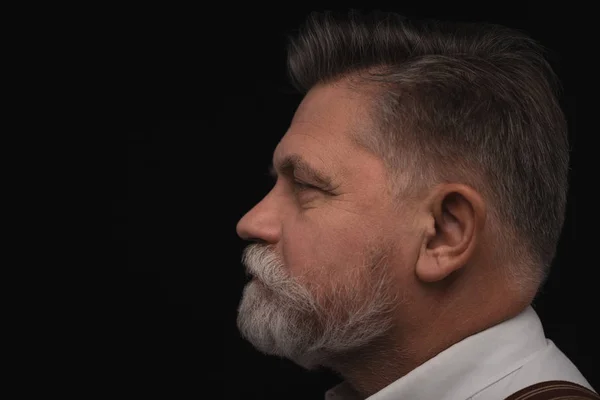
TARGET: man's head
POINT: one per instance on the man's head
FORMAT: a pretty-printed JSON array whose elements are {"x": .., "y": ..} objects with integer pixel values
[{"x": 424, "y": 170}]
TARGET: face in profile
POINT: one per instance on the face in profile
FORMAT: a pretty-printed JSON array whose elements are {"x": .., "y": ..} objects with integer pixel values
[{"x": 331, "y": 243}]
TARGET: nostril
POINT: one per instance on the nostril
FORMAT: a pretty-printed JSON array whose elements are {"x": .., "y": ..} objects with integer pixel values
[{"x": 255, "y": 240}]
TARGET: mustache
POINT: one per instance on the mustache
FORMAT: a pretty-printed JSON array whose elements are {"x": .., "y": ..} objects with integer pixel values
[{"x": 263, "y": 263}]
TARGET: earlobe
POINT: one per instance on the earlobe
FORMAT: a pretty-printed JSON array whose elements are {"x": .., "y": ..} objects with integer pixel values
[
  {"x": 455, "y": 218},
  {"x": 433, "y": 268}
]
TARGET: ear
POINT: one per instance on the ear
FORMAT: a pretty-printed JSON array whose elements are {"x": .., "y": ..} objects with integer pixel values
[{"x": 455, "y": 216}]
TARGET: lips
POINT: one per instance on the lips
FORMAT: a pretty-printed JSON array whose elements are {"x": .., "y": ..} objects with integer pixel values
[{"x": 255, "y": 281}]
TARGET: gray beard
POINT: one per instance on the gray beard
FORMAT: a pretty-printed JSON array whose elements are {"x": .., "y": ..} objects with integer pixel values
[{"x": 281, "y": 317}]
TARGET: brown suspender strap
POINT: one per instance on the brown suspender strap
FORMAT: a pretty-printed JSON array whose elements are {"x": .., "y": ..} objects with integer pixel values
[{"x": 556, "y": 390}]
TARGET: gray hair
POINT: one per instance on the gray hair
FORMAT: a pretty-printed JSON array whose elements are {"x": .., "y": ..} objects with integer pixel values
[{"x": 455, "y": 102}]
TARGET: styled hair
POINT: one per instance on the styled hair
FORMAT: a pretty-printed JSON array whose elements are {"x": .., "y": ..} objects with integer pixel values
[{"x": 454, "y": 102}]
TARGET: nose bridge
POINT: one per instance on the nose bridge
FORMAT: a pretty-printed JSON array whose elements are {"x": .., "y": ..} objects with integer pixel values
[{"x": 262, "y": 221}]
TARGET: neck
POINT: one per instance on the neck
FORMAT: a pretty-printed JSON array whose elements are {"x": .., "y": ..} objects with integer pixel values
[{"x": 370, "y": 369}]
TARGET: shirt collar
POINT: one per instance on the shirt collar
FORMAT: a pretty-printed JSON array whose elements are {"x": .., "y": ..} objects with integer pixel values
[{"x": 466, "y": 367}]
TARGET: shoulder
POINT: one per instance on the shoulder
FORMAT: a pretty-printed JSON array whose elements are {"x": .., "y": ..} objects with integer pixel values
[{"x": 548, "y": 364}]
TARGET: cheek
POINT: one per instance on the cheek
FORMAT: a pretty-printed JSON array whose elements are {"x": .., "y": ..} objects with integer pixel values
[{"x": 326, "y": 248}]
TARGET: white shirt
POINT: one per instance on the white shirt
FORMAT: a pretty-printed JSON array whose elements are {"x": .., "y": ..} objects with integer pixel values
[{"x": 490, "y": 365}]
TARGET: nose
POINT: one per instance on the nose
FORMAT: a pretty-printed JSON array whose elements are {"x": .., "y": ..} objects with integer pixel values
[{"x": 261, "y": 223}]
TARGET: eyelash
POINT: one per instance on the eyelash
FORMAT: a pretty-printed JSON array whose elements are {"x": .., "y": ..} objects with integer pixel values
[
  {"x": 301, "y": 186},
  {"x": 298, "y": 185}
]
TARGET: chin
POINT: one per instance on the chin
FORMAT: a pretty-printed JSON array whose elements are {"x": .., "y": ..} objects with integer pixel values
[{"x": 289, "y": 326}]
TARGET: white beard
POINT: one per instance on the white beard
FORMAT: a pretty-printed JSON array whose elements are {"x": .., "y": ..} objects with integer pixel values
[{"x": 281, "y": 317}]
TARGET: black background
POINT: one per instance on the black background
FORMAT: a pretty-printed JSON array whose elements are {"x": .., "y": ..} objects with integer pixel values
[{"x": 206, "y": 100}]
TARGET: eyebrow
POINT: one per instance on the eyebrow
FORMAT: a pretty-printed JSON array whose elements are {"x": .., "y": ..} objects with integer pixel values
[{"x": 294, "y": 162}]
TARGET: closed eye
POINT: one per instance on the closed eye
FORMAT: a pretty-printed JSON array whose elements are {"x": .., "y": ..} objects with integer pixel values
[{"x": 301, "y": 186}]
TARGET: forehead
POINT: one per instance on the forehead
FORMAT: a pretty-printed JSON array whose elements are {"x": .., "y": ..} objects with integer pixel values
[{"x": 323, "y": 125}]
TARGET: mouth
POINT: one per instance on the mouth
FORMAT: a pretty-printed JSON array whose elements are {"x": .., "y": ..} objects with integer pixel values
[{"x": 248, "y": 277}]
